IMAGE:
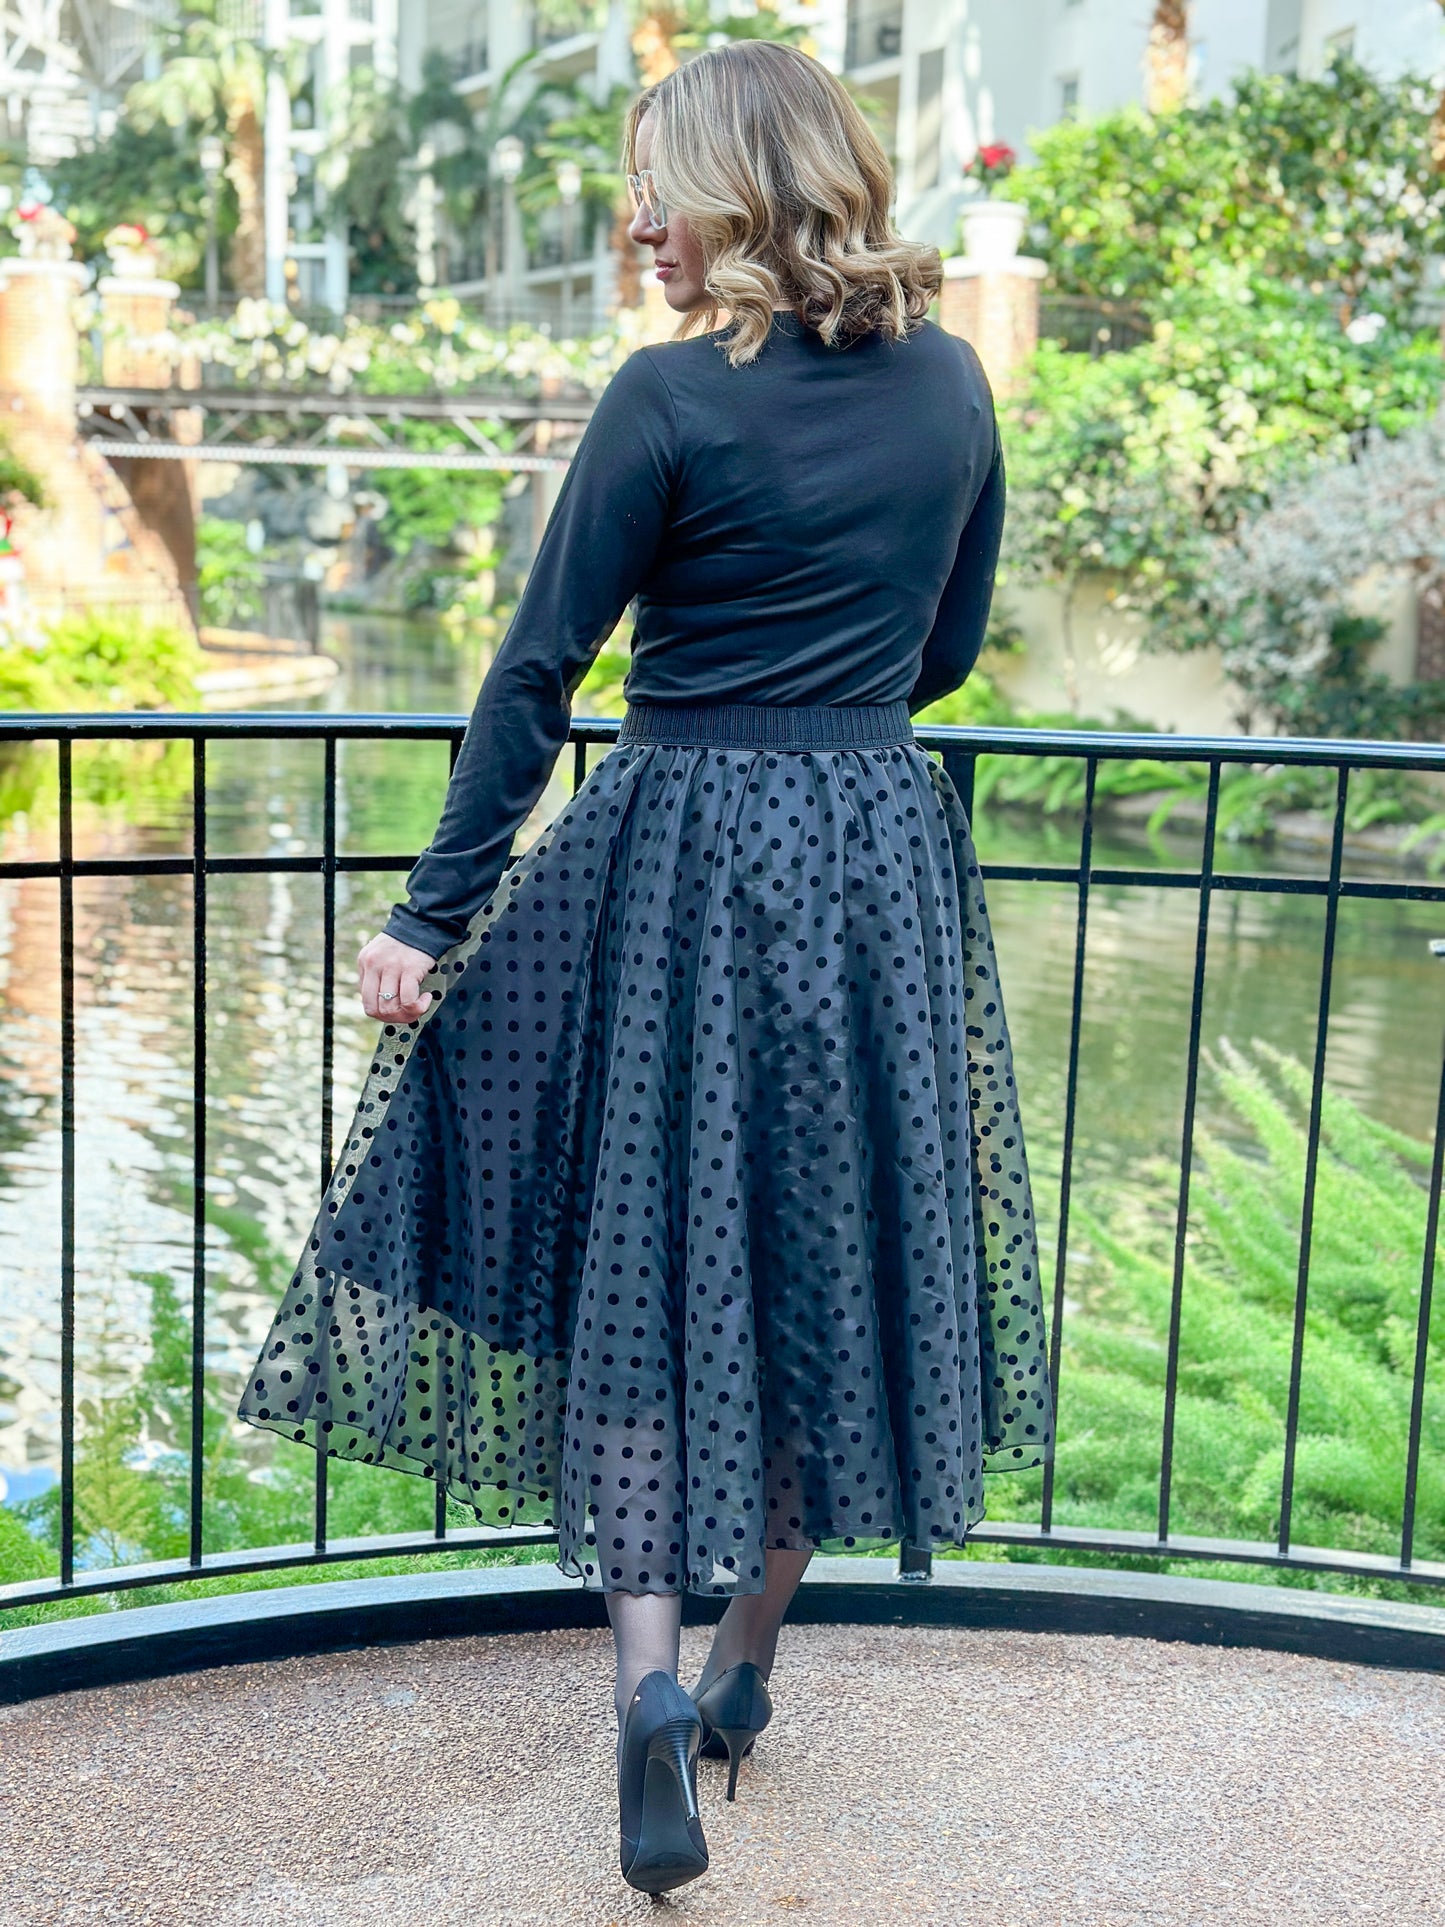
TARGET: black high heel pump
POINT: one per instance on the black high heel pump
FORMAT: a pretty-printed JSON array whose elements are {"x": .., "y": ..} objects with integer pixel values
[
  {"x": 734, "y": 1710},
  {"x": 662, "y": 1843}
]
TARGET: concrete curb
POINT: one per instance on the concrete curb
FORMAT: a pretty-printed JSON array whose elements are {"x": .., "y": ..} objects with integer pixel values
[{"x": 149, "y": 1642}]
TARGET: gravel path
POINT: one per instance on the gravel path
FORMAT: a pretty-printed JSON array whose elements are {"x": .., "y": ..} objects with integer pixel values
[{"x": 927, "y": 1776}]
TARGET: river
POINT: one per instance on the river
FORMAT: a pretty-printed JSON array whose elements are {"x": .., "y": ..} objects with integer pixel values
[{"x": 134, "y": 1043}]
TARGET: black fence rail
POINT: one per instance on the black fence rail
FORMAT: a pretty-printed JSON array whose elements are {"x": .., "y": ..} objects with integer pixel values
[
  {"x": 1092, "y": 327},
  {"x": 959, "y": 750}
]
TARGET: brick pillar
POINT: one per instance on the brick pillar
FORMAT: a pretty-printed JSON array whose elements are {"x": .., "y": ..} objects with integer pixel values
[
  {"x": 995, "y": 306},
  {"x": 38, "y": 346},
  {"x": 135, "y": 313},
  {"x": 38, "y": 367},
  {"x": 87, "y": 549}
]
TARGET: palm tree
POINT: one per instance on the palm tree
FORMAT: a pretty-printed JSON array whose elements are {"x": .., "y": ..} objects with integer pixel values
[
  {"x": 213, "y": 80},
  {"x": 1166, "y": 60},
  {"x": 590, "y": 133},
  {"x": 660, "y": 34}
]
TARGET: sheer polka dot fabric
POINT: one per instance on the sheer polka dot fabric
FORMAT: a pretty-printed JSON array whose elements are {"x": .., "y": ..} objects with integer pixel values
[{"x": 694, "y": 1216}]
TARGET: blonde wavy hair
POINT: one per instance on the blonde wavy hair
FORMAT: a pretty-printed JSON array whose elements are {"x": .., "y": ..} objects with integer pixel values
[{"x": 786, "y": 190}]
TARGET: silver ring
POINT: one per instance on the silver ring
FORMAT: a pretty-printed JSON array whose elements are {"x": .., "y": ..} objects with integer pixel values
[{"x": 388, "y": 996}]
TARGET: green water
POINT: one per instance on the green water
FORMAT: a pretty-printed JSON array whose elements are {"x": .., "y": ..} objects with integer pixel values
[{"x": 264, "y": 1046}]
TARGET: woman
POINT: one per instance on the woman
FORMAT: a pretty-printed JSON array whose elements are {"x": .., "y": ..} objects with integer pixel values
[{"x": 686, "y": 1206}]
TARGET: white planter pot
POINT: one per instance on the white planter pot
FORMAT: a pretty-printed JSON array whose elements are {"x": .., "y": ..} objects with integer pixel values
[
  {"x": 134, "y": 264},
  {"x": 992, "y": 231}
]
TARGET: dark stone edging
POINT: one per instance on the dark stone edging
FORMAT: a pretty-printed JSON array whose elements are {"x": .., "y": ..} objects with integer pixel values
[{"x": 149, "y": 1642}]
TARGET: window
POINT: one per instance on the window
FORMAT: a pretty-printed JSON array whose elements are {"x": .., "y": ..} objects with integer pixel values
[
  {"x": 1068, "y": 96},
  {"x": 875, "y": 31},
  {"x": 928, "y": 121},
  {"x": 1341, "y": 42}
]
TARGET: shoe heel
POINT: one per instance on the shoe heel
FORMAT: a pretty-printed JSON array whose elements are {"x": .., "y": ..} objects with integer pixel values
[
  {"x": 662, "y": 1838},
  {"x": 734, "y": 1710},
  {"x": 675, "y": 1745},
  {"x": 739, "y": 1743}
]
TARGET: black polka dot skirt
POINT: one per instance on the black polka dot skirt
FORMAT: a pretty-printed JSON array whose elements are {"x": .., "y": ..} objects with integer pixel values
[{"x": 693, "y": 1217}]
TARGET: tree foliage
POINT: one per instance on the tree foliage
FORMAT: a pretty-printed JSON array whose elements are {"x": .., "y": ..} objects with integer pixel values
[
  {"x": 1132, "y": 463},
  {"x": 152, "y": 176},
  {"x": 1278, "y": 589},
  {"x": 101, "y": 660},
  {"x": 1254, "y": 232},
  {"x": 366, "y": 173},
  {"x": 212, "y": 79},
  {"x": 1326, "y": 186}
]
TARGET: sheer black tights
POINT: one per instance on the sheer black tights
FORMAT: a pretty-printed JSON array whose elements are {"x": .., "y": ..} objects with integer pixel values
[{"x": 645, "y": 1628}]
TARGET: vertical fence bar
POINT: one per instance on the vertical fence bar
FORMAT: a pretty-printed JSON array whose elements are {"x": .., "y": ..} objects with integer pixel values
[
  {"x": 1422, "y": 1330},
  {"x": 198, "y": 1146},
  {"x": 328, "y": 958},
  {"x": 1071, "y": 1102},
  {"x": 915, "y": 1562},
  {"x": 961, "y": 766},
  {"x": 579, "y": 765},
  {"x": 1312, "y": 1156},
  {"x": 439, "y": 1506},
  {"x": 1186, "y": 1153},
  {"x": 328, "y": 1045},
  {"x": 67, "y": 1161}
]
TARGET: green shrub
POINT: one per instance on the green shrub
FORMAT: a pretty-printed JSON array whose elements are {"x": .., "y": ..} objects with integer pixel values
[
  {"x": 101, "y": 661},
  {"x": 1236, "y": 1330},
  {"x": 228, "y": 575},
  {"x": 1253, "y": 233},
  {"x": 1313, "y": 182}
]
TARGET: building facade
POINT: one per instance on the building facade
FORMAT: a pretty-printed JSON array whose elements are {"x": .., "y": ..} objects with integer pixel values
[
  {"x": 65, "y": 65},
  {"x": 322, "y": 42},
  {"x": 568, "y": 279},
  {"x": 949, "y": 76}
]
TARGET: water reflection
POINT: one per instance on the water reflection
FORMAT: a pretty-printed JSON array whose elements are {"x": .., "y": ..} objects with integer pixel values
[{"x": 135, "y": 1066}]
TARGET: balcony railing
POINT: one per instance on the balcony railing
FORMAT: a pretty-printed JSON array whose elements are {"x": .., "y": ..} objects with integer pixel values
[
  {"x": 1092, "y": 327},
  {"x": 1205, "y": 881}
]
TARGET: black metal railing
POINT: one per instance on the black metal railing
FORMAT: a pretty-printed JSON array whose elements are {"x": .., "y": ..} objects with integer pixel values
[
  {"x": 1090, "y": 326},
  {"x": 959, "y": 750}
]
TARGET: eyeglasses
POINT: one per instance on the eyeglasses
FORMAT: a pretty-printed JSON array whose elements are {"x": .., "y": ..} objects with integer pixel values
[{"x": 645, "y": 196}]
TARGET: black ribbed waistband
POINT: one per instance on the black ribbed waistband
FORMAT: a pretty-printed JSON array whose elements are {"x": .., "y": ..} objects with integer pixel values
[{"x": 771, "y": 726}]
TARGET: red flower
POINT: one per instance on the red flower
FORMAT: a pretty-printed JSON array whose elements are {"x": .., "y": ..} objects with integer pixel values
[{"x": 997, "y": 155}]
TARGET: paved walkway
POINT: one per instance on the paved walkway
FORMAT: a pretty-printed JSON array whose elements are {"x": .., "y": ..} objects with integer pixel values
[{"x": 931, "y": 1776}]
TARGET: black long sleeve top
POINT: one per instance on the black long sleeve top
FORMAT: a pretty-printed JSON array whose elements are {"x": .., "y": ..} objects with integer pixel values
[{"x": 819, "y": 527}]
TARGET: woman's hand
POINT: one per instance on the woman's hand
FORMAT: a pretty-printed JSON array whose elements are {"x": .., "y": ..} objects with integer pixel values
[{"x": 390, "y": 975}]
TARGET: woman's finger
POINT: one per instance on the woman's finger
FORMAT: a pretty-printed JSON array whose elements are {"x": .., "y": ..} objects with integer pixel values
[
  {"x": 414, "y": 999},
  {"x": 389, "y": 979},
  {"x": 371, "y": 988}
]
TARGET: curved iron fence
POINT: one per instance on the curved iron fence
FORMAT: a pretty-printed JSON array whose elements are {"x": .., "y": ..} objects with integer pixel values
[{"x": 960, "y": 750}]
